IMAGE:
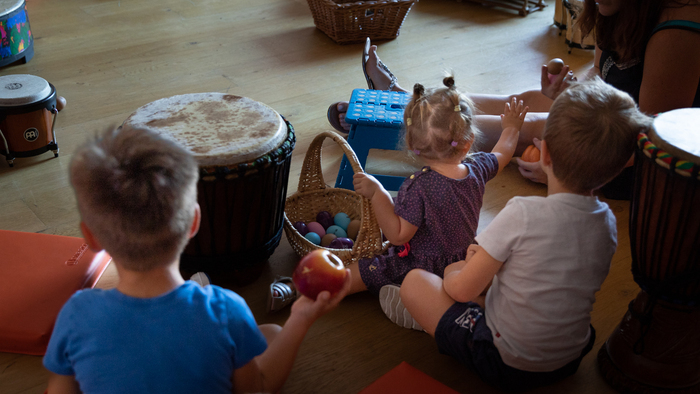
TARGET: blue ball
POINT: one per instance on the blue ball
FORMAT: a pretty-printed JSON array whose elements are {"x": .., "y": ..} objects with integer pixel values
[
  {"x": 337, "y": 230},
  {"x": 343, "y": 220},
  {"x": 314, "y": 238}
]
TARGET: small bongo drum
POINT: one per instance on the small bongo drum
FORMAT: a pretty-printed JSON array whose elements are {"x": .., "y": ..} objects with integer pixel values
[
  {"x": 574, "y": 37},
  {"x": 28, "y": 110},
  {"x": 16, "y": 41},
  {"x": 657, "y": 344},
  {"x": 244, "y": 149}
]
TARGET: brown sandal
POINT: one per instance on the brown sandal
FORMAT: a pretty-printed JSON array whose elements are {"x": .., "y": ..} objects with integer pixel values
[{"x": 334, "y": 118}]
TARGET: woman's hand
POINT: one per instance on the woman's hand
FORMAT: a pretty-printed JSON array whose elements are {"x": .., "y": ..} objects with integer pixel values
[
  {"x": 532, "y": 171},
  {"x": 553, "y": 89},
  {"x": 365, "y": 185}
]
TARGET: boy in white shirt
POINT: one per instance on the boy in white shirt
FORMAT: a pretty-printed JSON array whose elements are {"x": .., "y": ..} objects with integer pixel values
[{"x": 545, "y": 257}]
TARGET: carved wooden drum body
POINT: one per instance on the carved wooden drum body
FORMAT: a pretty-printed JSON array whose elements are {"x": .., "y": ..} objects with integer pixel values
[{"x": 656, "y": 347}]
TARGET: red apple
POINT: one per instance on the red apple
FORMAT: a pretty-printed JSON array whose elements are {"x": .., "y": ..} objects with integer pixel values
[{"x": 318, "y": 271}]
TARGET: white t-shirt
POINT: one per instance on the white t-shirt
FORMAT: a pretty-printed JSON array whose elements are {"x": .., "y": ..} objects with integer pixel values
[{"x": 556, "y": 253}]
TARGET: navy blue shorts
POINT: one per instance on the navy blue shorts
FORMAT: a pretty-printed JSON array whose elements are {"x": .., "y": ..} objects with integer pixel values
[{"x": 463, "y": 334}]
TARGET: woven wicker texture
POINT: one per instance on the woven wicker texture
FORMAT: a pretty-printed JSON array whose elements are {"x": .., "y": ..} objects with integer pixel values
[
  {"x": 313, "y": 196},
  {"x": 348, "y": 22}
]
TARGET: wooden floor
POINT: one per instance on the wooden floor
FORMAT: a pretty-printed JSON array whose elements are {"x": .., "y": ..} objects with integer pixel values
[{"x": 108, "y": 58}]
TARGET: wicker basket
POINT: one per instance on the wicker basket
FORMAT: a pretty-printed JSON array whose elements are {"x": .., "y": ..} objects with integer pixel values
[
  {"x": 348, "y": 22},
  {"x": 314, "y": 196}
]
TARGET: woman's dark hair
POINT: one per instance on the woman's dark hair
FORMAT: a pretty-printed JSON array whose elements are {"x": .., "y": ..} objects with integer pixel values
[{"x": 628, "y": 31}]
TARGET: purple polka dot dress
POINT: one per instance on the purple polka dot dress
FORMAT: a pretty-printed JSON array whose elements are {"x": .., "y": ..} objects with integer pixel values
[{"x": 446, "y": 212}]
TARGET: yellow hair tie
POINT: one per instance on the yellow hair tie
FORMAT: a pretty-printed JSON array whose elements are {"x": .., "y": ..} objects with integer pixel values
[
  {"x": 408, "y": 121},
  {"x": 457, "y": 108}
]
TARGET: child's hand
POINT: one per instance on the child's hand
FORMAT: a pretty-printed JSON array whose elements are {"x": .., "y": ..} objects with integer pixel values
[
  {"x": 365, "y": 185},
  {"x": 311, "y": 310},
  {"x": 514, "y": 114}
]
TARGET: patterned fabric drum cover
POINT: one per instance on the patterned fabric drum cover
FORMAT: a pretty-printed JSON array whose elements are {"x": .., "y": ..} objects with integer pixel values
[
  {"x": 16, "y": 41},
  {"x": 243, "y": 148}
]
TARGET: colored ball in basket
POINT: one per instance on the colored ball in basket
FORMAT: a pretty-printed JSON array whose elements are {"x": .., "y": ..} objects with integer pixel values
[
  {"x": 318, "y": 271},
  {"x": 341, "y": 243},
  {"x": 301, "y": 228},
  {"x": 325, "y": 218},
  {"x": 337, "y": 230},
  {"x": 327, "y": 239},
  {"x": 353, "y": 229},
  {"x": 342, "y": 219},
  {"x": 531, "y": 154},
  {"x": 316, "y": 227},
  {"x": 313, "y": 237}
]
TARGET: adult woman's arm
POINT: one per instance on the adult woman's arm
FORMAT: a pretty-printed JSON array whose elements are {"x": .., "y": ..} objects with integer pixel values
[{"x": 671, "y": 71}]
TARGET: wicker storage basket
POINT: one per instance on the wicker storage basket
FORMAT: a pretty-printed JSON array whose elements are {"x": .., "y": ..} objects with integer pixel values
[
  {"x": 348, "y": 22},
  {"x": 313, "y": 196}
]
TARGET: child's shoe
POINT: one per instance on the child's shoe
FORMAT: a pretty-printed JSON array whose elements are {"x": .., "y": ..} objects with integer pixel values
[
  {"x": 393, "y": 308},
  {"x": 201, "y": 278},
  {"x": 282, "y": 293}
]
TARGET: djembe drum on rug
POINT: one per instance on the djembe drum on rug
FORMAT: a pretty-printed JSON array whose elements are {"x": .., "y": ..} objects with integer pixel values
[
  {"x": 656, "y": 347},
  {"x": 243, "y": 148}
]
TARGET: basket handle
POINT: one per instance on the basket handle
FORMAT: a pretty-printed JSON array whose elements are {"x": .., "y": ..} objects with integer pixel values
[{"x": 311, "y": 177}]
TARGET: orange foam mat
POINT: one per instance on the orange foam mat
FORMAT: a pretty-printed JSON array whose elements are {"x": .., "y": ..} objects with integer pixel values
[
  {"x": 406, "y": 379},
  {"x": 38, "y": 274}
]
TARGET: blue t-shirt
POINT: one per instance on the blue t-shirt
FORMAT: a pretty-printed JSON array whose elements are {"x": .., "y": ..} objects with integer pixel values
[{"x": 185, "y": 341}]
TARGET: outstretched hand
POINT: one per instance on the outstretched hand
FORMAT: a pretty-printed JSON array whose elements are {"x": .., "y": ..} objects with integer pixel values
[
  {"x": 365, "y": 185},
  {"x": 324, "y": 303},
  {"x": 532, "y": 171},
  {"x": 553, "y": 88},
  {"x": 514, "y": 114}
]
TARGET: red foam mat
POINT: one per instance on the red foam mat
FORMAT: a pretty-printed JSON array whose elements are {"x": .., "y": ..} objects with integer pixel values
[
  {"x": 38, "y": 273},
  {"x": 406, "y": 379}
]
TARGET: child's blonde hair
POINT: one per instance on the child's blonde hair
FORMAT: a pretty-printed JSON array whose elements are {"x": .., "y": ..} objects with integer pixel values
[
  {"x": 136, "y": 192},
  {"x": 439, "y": 123},
  {"x": 590, "y": 134}
]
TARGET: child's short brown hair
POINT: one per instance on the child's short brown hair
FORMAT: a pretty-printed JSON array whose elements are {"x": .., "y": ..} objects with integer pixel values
[
  {"x": 136, "y": 192},
  {"x": 439, "y": 122},
  {"x": 590, "y": 134}
]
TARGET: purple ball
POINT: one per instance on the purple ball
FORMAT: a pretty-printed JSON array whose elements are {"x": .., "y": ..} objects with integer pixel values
[
  {"x": 341, "y": 243},
  {"x": 325, "y": 218},
  {"x": 301, "y": 228}
]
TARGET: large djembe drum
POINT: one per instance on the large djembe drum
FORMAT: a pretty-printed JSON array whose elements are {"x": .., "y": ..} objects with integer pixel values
[
  {"x": 656, "y": 347},
  {"x": 244, "y": 149}
]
